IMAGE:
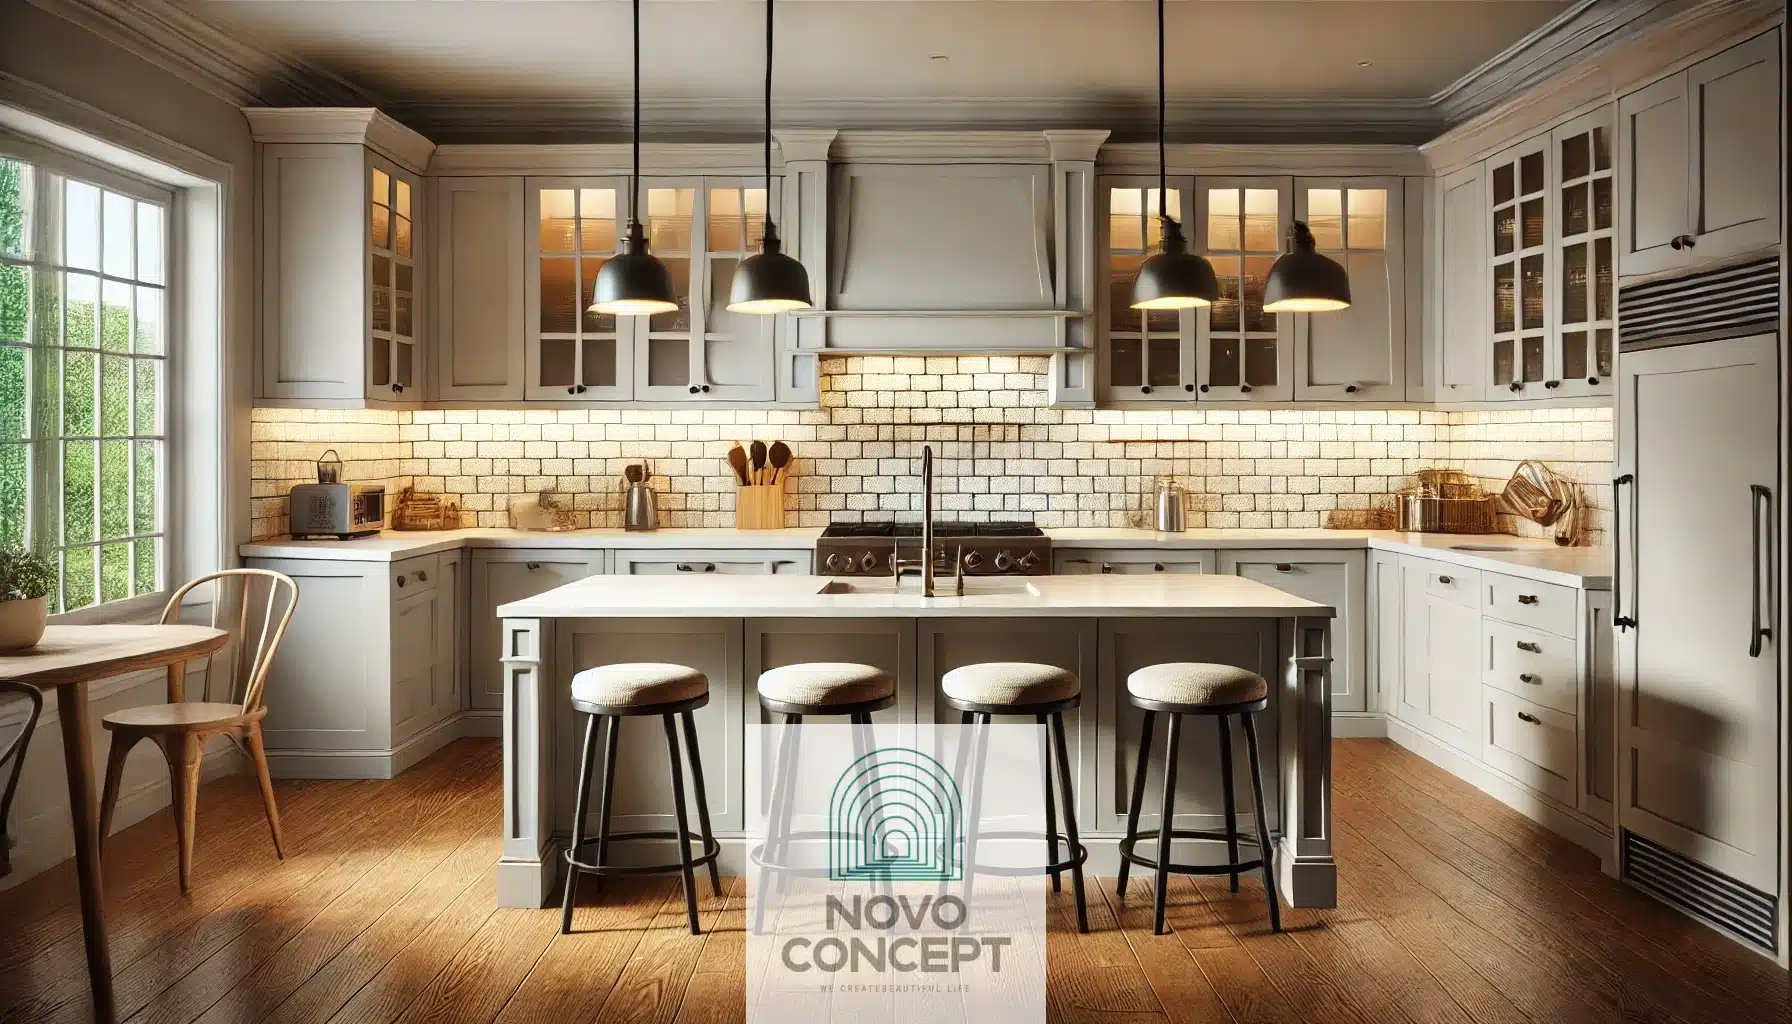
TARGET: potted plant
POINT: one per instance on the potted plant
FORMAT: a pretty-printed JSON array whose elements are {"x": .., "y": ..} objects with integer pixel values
[{"x": 25, "y": 582}]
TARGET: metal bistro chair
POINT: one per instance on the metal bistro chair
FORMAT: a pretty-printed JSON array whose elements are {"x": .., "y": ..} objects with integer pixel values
[{"x": 182, "y": 727}]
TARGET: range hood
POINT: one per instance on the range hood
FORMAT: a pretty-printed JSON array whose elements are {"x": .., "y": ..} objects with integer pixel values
[{"x": 968, "y": 242}]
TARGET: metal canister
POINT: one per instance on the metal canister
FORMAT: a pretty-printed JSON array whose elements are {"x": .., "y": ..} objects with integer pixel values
[{"x": 1172, "y": 507}]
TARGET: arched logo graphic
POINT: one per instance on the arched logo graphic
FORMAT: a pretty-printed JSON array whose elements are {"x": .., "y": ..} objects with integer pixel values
[{"x": 895, "y": 816}]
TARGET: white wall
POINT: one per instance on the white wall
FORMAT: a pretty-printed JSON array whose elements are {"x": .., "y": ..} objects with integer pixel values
[{"x": 58, "y": 71}]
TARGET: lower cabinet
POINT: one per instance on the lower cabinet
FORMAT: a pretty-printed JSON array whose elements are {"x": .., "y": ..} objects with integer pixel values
[
  {"x": 1440, "y": 676},
  {"x": 503, "y": 575},
  {"x": 1328, "y": 577},
  {"x": 1126, "y": 561},
  {"x": 742, "y": 563}
]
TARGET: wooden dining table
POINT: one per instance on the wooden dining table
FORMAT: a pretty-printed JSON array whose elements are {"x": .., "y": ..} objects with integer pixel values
[{"x": 66, "y": 660}]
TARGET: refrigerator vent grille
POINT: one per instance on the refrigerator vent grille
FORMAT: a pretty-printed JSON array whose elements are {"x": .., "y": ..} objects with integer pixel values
[
  {"x": 1730, "y": 302},
  {"x": 1741, "y": 910}
]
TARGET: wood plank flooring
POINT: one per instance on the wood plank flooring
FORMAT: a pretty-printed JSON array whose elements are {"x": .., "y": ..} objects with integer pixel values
[{"x": 1455, "y": 910}]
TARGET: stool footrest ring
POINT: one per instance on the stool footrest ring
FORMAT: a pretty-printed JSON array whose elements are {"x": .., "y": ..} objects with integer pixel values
[
  {"x": 1078, "y": 856},
  {"x": 711, "y": 850},
  {"x": 1127, "y": 844}
]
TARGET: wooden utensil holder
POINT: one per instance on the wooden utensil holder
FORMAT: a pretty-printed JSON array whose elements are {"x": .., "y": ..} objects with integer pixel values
[{"x": 759, "y": 506}]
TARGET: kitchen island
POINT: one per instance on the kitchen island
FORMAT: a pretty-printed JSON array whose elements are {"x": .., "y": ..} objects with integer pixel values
[{"x": 733, "y": 628}]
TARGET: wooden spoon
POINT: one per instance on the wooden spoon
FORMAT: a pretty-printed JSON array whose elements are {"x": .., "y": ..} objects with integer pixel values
[
  {"x": 780, "y": 458},
  {"x": 757, "y": 449},
  {"x": 737, "y": 459}
]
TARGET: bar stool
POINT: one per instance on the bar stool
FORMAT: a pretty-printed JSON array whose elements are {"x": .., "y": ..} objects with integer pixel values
[
  {"x": 797, "y": 691},
  {"x": 1181, "y": 688},
  {"x": 1045, "y": 692},
  {"x": 612, "y": 693}
]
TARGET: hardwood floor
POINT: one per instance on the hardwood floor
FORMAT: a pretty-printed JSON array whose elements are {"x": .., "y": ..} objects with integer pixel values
[{"x": 1454, "y": 909}]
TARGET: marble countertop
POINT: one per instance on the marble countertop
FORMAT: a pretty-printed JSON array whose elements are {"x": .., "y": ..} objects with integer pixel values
[
  {"x": 1586, "y": 568},
  {"x": 826, "y": 597}
]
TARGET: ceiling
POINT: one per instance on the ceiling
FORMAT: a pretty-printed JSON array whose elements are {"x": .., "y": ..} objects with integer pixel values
[{"x": 561, "y": 67}]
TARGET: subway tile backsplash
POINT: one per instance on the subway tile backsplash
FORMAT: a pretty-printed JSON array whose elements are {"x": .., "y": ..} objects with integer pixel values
[{"x": 999, "y": 453}]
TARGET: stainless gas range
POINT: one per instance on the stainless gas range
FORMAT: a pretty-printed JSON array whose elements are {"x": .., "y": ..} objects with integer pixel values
[{"x": 990, "y": 549}]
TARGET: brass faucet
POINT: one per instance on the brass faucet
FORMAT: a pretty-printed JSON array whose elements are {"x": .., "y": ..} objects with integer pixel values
[{"x": 924, "y": 565}]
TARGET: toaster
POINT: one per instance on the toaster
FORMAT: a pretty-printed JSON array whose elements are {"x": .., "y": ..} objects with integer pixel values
[{"x": 337, "y": 509}]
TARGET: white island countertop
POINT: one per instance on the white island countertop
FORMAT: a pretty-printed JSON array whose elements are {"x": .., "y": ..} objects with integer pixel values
[{"x": 599, "y": 597}]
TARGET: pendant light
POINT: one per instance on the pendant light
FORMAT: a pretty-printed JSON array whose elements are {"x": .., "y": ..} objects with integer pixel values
[
  {"x": 1173, "y": 277},
  {"x": 770, "y": 282},
  {"x": 1304, "y": 281},
  {"x": 634, "y": 282}
]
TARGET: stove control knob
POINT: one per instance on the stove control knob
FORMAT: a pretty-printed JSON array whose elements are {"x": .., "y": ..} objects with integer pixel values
[
  {"x": 1004, "y": 561},
  {"x": 869, "y": 562},
  {"x": 973, "y": 559},
  {"x": 1029, "y": 561},
  {"x": 834, "y": 562}
]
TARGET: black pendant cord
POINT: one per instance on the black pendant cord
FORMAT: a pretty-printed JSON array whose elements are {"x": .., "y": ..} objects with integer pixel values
[
  {"x": 771, "y": 232},
  {"x": 634, "y": 182},
  {"x": 1162, "y": 173}
]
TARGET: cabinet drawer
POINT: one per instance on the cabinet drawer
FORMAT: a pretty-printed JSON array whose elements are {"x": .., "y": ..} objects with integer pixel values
[
  {"x": 1532, "y": 664},
  {"x": 1461, "y": 586},
  {"x": 1539, "y": 605},
  {"x": 413, "y": 576},
  {"x": 1530, "y": 743}
]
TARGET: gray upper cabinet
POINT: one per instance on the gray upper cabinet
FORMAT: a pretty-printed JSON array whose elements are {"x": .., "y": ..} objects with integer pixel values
[
  {"x": 1580, "y": 356},
  {"x": 1462, "y": 317},
  {"x": 571, "y": 353},
  {"x": 1358, "y": 354},
  {"x": 1519, "y": 225},
  {"x": 479, "y": 285},
  {"x": 1699, "y": 166},
  {"x": 1146, "y": 355},
  {"x": 341, "y": 234},
  {"x": 1243, "y": 354}
]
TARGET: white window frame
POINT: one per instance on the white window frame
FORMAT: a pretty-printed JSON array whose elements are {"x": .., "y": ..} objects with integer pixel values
[{"x": 44, "y": 426}]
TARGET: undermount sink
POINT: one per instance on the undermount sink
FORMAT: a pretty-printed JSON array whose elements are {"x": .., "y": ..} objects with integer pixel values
[
  {"x": 1483, "y": 547},
  {"x": 975, "y": 586}
]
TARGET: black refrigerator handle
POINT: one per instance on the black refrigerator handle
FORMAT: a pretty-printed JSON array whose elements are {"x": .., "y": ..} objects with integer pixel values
[
  {"x": 1619, "y": 619},
  {"x": 1759, "y": 497}
]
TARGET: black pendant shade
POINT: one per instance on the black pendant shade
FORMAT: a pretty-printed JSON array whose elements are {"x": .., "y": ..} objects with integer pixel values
[
  {"x": 1304, "y": 281},
  {"x": 634, "y": 282},
  {"x": 769, "y": 282},
  {"x": 1172, "y": 277}
]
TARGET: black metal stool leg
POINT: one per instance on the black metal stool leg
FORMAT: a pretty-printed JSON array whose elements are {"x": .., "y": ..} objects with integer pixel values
[
  {"x": 773, "y": 848},
  {"x": 1231, "y": 800},
  {"x": 1269, "y": 865},
  {"x": 578, "y": 824},
  {"x": 789, "y": 815},
  {"x": 974, "y": 819},
  {"x": 1070, "y": 830},
  {"x": 612, "y": 736},
  {"x": 1138, "y": 798},
  {"x": 1051, "y": 814},
  {"x": 690, "y": 743},
  {"x": 684, "y": 846},
  {"x": 1165, "y": 825}
]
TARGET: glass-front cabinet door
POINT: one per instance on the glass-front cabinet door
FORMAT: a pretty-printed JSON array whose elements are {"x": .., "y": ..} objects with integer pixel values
[
  {"x": 1519, "y": 222},
  {"x": 1149, "y": 355},
  {"x": 575, "y": 354},
  {"x": 1580, "y": 360},
  {"x": 1355, "y": 354},
  {"x": 394, "y": 366},
  {"x": 1241, "y": 352}
]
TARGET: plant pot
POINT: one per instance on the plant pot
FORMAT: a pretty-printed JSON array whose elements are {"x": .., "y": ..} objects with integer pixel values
[{"x": 22, "y": 623}]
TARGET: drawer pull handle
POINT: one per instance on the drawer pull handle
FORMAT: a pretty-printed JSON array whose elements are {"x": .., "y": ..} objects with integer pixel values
[
  {"x": 1446, "y": 580},
  {"x": 422, "y": 577},
  {"x": 696, "y": 567},
  {"x": 401, "y": 581},
  {"x": 1526, "y": 717},
  {"x": 1105, "y": 567},
  {"x": 1526, "y": 677},
  {"x": 1527, "y": 599},
  {"x": 1284, "y": 567},
  {"x": 1157, "y": 567},
  {"x": 1530, "y": 647},
  {"x": 531, "y": 566}
]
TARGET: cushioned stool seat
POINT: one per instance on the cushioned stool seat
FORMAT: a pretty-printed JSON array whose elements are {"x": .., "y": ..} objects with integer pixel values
[
  {"x": 1010, "y": 683},
  {"x": 638, "y": 685},
  {"x": 825, "y": 684},
  {"x": 1197, "y": 684}
]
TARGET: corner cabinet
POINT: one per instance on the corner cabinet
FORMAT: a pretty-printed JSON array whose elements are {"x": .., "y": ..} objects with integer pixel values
[
  {"x": 1699, "y": 167},
  {"x": 340, "y": 232}
]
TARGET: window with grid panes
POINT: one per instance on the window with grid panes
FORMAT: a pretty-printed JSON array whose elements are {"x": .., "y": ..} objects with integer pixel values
[
  {"x": 83, "y": 372},
  {"x": 577, "y": 231},
  {"x": 1243, "y": 240},
  {"x": 1144, "y": 346}
]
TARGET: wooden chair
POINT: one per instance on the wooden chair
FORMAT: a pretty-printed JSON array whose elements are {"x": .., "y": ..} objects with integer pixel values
[
  {"x": 13, "y": 754},
  {"x": 181, "y": 727}
]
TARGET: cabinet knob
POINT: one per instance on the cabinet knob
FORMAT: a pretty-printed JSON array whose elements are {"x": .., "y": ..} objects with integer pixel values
[
  {"x": 1516, "y": 386},
  {"x": 1526, "y": 677},
  {"x": 1446, "y": 580},
  {"x": 1683, "y": 241},
  {"x": 1284, "y": 567},
  {"x": 693, "y": 389},
  {"x": 422, "y": 577},
  {"x": 1145, "y": 389},
  {"x": 1529, "y": 647},
  {"x": 696, "y": 567},
  {"x": 706, "y": 389},
  {"x": 572, "y": 390},
  {"x": 1157, "y": 567},
  {"x": 1105, "y": 567},
  {"x": 1205, "y": 388},
  {"x": 581, "y": 389},
  {"x": 1350, "y": 389},
  {"x": 1526, "y": 717},
  {"x": 1527, "y": 599},
  {"x": 531, "y": 566},
  {"x": 400, "y": 581},
  {"x": 1244, "y": 387},
  {"x": 1188, "y": 387},
  {"x": 1552, "y": 384}
]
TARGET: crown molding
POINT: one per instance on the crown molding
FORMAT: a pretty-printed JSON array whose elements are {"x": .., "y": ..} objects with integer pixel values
[
  {"x": 1321, "y": 160},
  {"x": 205, "y": 56},
  {"x": 1688, "y": 33},
  {"x": 1068, "y": 145},
  {"x": 605, "y": 158},
  {"x": 361, "y": 126}
]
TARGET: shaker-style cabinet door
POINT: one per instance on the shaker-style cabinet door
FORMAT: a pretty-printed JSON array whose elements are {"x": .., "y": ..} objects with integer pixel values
[
  {"x": 1463, "y": 319},
  {"x": 500, "y": 577},
  {"x": 1584, "y": 265},
  {"x": 1521, "y": 212},
  {"x": 571, "y": 353},
  {"x": 481, "y": 265},
  {"x": 1653, "y": 165},
  {"x": 1734, "y": 99},
  {"x": 1243, "y": 354},
  {"x": 1359, "y": 353},
  {"x": 1146, "y": 355},
  {"x": 1328, "y": 577}
]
